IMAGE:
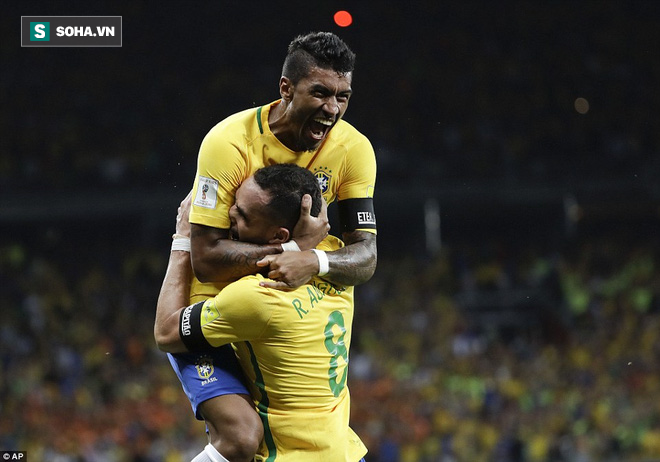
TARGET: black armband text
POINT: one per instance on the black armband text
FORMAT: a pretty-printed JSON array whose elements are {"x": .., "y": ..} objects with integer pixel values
[
  {"x": 357, "y": 214},
  {"x": 190, "y": 329}
]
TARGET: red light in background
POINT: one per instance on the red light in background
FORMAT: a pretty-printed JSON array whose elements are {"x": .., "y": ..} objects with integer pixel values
[{"x": 343, "y": 18}]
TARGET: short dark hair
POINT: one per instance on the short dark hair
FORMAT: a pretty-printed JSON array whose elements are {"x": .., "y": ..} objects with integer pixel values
[
  {"x": 317, "y": 49},
  {"x": 287, "y": 184}
]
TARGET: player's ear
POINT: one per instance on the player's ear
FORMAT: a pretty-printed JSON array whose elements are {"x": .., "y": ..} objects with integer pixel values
[
  {"x": 286, "y": 89},
  {"x": 281, "y": 235}
]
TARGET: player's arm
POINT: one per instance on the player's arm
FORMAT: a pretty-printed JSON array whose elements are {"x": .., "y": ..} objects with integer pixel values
[
  {"x": 221, "y": 168},
  {"x": 351, "y": 265},
  {"x": 177, "y": 327},
  {"x": 174, "y": 292},
  {"x": 173, "y": 298},
  {"x": 239, "y": 313},
  {"x": 217, "y": 258},
  {"x": 356, "y": 263}
]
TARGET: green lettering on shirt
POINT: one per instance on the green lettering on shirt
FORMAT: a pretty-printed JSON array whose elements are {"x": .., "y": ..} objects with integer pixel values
[
  {"x": 297, "y": 304},
  {"x": 314, "y": 296},
  {"x": 328, "y": 289}
]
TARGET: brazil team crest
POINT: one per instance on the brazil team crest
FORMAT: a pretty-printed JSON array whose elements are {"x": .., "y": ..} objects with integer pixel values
[
  {"x": 323, "y": 176},
  {"x": 204, "y": 366}
]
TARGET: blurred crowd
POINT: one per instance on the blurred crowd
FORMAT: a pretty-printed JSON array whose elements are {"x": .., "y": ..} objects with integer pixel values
[
  {"x": 445, "y": 90},
  {"x": 81, "y": 377},
  {"x": 432, "y": 377},
  {"x": 577, "y": 379},
  {"x": 486, "y": 351}
]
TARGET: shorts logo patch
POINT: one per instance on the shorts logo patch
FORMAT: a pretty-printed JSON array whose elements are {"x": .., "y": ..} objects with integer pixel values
[
  {"x": 204, "y": 366},
  {"x": 207, "y": 193},
  {"x": 323, "y": 176}
]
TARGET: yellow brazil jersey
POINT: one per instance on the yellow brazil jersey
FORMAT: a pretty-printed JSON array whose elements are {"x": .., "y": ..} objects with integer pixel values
[
  {"x": 293, "y": 347},
  {"x": 234, "y": 149}
]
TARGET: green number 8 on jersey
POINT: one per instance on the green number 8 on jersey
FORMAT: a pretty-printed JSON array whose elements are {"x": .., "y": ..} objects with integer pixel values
[{"x": 335, "y": 328}]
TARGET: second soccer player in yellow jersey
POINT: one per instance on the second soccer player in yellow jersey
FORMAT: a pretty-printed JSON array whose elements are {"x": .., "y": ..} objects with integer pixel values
[{"x": 293, "y": 346}]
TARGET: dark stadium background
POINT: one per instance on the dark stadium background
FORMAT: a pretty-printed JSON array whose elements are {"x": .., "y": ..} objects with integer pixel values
[{"x": 514, "y": 315}]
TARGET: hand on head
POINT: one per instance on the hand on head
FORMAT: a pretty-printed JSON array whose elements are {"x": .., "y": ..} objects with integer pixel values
[{"x": 310, "y": 230}]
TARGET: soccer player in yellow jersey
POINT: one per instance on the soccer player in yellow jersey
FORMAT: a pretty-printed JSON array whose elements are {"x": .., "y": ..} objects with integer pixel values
[
  {"x": 293, "y": 345},
  {"x": 304, "y": 127}
]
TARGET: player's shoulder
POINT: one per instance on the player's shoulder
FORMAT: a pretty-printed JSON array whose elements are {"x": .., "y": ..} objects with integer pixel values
[
  {"x": 238, "y": 124},
  {"x": 345, "y": 133},
  {"x": 350, "y": 140},
  {"x": 245, "y": 285}
]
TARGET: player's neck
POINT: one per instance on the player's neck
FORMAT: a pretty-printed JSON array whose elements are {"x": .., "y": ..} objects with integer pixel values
[{"x": 280, "y": 125}]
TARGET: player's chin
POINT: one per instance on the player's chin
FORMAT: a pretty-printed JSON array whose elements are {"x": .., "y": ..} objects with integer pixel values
[{"x": 312, "y": 143}]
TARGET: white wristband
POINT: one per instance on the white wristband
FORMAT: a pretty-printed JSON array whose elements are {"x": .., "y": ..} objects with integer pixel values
[
  {"x": 324, "y": 263},
  {"x": 181, "y": 243},
  {"x": 290, "y": 246}
]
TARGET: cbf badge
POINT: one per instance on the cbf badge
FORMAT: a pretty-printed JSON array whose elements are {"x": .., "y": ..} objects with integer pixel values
[
  {"x": 204, "y": 367},
  {"x": 323, "y": 176}
]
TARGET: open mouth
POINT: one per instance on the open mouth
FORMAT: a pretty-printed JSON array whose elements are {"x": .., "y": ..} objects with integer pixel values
[{"x": 319, "y": 127}]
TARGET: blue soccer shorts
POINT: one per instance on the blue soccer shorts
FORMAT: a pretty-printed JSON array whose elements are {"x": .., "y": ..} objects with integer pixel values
[{"x": 206, "y": 375}]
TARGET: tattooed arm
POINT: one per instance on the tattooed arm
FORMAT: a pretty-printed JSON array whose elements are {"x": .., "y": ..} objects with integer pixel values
[
  {"x": 356, "y": 263},
  {"x": 217, "y": 258},
  {"x": 349, "y": 266}
]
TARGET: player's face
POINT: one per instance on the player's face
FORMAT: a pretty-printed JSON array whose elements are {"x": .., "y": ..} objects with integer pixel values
[
  {"x": 317, "y": 102},
  {"x": 249, "y": 219}
]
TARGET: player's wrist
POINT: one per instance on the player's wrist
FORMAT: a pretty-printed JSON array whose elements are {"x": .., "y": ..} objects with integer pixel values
[
  {"x": 180, "y": 242},
  {"x": 324, "y": 263},
  {"x": 290, "y": 246}
]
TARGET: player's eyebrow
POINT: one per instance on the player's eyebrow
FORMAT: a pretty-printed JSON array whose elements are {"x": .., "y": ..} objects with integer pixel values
[
  {"x": 325, "y": 90},
  {"x": 241, "y": 212}
]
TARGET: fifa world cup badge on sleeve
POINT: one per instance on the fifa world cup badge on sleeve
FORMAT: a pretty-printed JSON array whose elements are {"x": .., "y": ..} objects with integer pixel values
[{"x": 207, "y": 193}]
